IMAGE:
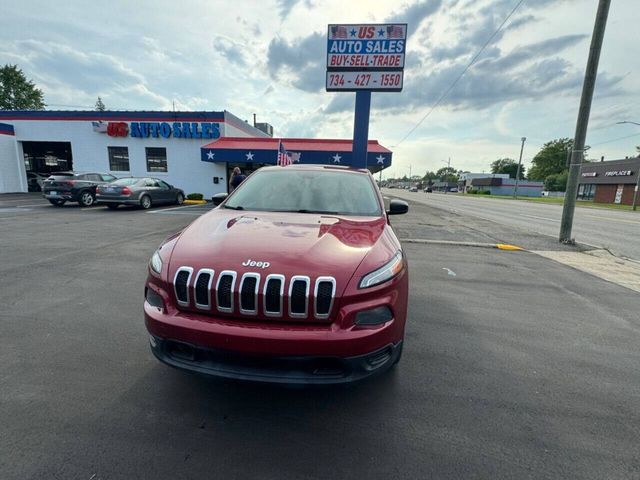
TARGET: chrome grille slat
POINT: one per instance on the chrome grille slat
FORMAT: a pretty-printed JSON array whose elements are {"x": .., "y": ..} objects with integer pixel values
[
  {"x": 296, "y": 296},
  {"x": 248, "y": 295},
  {"x": 181, "y": 283},
  {"x": 323, "y": 298},
  {"x": 273, "y": 279},
  {"x": 225, "y": 289},
  {"x": 204, "y": 279}
]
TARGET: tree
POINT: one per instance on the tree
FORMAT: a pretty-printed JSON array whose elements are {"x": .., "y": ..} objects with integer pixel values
[
  {"x": 100, "y": 107},
  {"x": 17, "y": 92},
  {"x": 556, "y": 182},
  {"x": 507, "y": 165},
  {"x": 551, "y": 159},
  {"x": 429, "y": 177},
  {"x": 447, "y": 174}
]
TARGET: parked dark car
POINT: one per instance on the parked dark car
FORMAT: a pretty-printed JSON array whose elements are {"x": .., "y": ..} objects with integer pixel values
[
  {"x": 139, "y": 191},
  {"x": 62, "y": 187}
]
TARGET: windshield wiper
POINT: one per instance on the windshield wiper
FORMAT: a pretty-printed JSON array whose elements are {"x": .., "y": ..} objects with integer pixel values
[
  {"x": 239, "y": 207},
  {"x": 326, "y": 212}
]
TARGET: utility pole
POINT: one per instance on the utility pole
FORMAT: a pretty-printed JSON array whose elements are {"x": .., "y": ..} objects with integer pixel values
[
  {"x": 515, "y": 189},
  {"x": 577, "y": 154}
]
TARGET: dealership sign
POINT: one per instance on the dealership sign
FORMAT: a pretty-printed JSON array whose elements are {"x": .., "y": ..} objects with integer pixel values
[
  {"x": 619, "y": 173},
  {"x": 159, "y": 129},
  {"x": 589, "y": 174},
  {"x": 366, "y": 57}
]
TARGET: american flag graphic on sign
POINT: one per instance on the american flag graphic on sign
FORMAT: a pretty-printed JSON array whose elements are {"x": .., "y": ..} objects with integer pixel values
[
  {"x": 99, "y": 126},
  {"x": 395, "y": 31},
  {"x": 283, "y": 156},
  {"x": 338, "y": 32}
]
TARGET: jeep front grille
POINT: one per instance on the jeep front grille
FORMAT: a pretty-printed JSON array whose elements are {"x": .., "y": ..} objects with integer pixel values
[{"x": 276, "y": 296}]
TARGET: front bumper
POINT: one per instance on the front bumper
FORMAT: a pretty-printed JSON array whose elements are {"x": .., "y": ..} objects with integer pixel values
[{"x": 305, "y": 370}]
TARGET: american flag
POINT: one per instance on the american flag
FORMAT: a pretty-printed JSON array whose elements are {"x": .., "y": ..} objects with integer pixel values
[
  {"x": 338, "y": 32},
  {"x": 99, "y": 126},
  {"x": 395, "y": 31},
  {"x": 283, "y": 156}
]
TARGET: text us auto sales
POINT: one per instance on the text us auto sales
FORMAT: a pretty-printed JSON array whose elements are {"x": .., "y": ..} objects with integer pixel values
[{"x": 164, "y": 129}]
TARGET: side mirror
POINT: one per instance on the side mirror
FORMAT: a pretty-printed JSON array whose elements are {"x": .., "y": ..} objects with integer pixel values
[
  {"x": 397, "y": 207},
  {"x": 218, "y": 198}
]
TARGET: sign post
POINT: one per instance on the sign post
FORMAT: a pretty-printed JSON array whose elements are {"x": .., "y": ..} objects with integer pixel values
[{"x": 363, "y": 59}]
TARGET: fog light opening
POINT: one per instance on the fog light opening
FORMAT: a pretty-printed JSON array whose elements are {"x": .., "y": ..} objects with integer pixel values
[
  {"x": 374, "y": 316},
  {"x": 153, "y": 299}
]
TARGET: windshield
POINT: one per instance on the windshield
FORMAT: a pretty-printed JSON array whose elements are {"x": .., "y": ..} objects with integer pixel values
[{"x": 307, "y": 191}]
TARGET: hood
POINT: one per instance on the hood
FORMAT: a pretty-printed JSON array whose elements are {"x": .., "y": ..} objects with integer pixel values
[{"x": 283, "y": 243}]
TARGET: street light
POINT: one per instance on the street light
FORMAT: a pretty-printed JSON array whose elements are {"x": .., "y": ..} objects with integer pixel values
[{"x": 515, "y": 189}]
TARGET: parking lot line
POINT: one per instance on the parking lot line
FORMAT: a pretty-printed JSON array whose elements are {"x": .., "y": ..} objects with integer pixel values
[{"x": 182, "y": 207}]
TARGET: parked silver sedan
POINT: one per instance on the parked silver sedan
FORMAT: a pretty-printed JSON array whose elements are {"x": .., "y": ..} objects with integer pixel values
[{"x": 140, "y": 191}]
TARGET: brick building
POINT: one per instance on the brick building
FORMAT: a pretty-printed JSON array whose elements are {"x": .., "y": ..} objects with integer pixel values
[{"x": 609, "y": 182}]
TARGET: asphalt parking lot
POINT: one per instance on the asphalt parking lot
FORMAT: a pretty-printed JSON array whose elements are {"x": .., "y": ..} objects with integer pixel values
[{"x": 514, "y": 366}]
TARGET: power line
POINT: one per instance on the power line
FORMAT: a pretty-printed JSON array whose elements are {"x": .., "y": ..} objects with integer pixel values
[
  {"x": 615, "y": 139},
  {"x": 451, "y": 87}
]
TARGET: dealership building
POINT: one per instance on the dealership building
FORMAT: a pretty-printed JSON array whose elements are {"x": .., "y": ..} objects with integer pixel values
[
  {"x": 609, "y": 182},
  {"x": 195, "y": 151}
]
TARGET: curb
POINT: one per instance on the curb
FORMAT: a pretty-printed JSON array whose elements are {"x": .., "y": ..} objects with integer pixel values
[
  {"x": 194, "y": 202},
  {"x": 500, "y": 246}
]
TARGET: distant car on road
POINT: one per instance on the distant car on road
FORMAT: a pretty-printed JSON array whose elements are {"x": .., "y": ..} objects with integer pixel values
[
  {"x": 428, "y": 190},
  {"x": 413, "y": 189},
  {"x": 62, "y": 187},
  {"x": 140, "y": 191}
]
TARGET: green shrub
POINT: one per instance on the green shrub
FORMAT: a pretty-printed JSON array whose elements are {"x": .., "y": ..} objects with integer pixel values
[
  {"x": 485, "y": 192},
  {"x": 195, "y": 196}
]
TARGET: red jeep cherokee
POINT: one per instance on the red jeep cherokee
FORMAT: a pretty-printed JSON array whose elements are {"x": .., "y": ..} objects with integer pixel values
[{"x": 296, "y": 277}]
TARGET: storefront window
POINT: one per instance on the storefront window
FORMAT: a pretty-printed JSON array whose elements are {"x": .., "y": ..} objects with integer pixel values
[
  {"x": 118, "y": 159},
  {"x": 156, "y": 159},
  {"x": 586, "y": 192}
]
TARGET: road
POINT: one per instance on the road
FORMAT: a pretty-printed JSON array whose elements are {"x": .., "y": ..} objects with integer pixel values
[
  {"x": 514, "y": 367},
  {"x": 617, "y": 230}
]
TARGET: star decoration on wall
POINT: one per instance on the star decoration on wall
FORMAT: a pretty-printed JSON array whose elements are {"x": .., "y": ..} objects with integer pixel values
[
  {"x": 249, "y": 156},
  {"x": 336, "y": 158}
]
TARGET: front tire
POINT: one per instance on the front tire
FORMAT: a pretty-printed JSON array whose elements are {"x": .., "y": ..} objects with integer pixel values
[
  {"x": 112, "y": 206},
  {"x": 179, "y": 199},
  {"x": 145, "y": 202},
  {"x": 57, "y": 203},
  {"x": 86, "y": 199}
]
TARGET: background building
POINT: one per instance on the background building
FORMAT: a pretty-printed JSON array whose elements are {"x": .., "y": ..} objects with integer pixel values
[
  {"x": 609, "y": 182},
  {"x": 506, "y": 186},
  {"x": 195, "y": 151}
]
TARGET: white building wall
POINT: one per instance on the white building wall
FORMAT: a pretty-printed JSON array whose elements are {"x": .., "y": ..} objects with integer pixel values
[
  {"x": 185, "y": 169},
  {"x": 13, "y": 177}
]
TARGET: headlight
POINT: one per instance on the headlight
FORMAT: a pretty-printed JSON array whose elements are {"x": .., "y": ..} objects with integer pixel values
[
  {"x": 156, "y": 263},
  {"x": 384, "y": 273}
]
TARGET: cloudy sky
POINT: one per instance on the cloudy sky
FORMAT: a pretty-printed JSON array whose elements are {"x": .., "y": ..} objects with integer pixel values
[{"x": 268, "y": 57}]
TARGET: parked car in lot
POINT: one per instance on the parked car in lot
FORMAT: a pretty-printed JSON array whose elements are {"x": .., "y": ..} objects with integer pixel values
[
  {"x": 62, "y": 187},
  {"x": 296, "y": 277},
  {"x": 413, "y": 189},
  {"x": 428, "y": 190},
  {"x": 140, "y": 191},
  {"x": 35, "y": 181}
]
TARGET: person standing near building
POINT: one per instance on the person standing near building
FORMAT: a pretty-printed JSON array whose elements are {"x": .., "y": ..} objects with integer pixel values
[{"x": 237, "y": 177}]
